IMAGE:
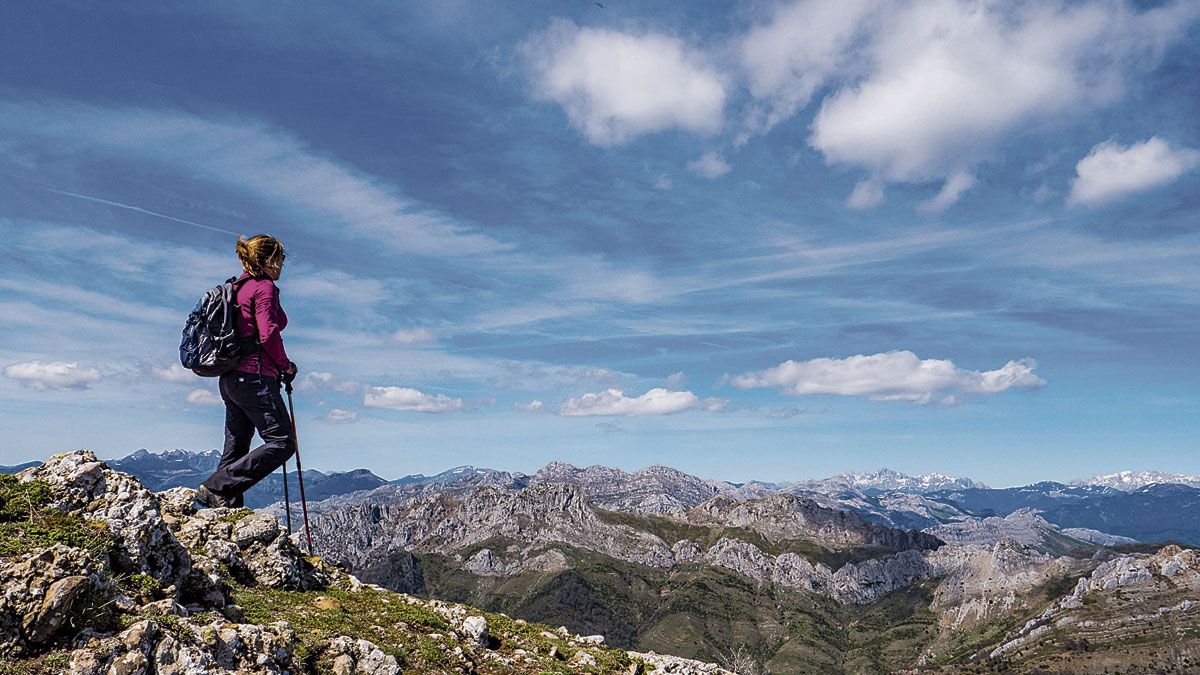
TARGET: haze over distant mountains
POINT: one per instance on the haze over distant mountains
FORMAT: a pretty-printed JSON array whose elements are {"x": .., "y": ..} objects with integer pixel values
[{"x": 1133, "y": 480}]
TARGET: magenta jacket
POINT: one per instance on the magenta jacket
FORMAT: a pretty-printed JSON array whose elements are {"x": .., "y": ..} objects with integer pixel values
[{"x": 259, "y": 300}]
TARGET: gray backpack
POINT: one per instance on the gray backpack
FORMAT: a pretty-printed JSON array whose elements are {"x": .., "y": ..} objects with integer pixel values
[{"x": 211, "y": 345}]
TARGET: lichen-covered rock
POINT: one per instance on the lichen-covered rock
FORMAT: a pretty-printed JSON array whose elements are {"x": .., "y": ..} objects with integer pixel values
[
  {"x": 663, "y": 663},
  {"x": 475, "y": 629},
  {"x": 186, "y": 648},
  {"x": 250, "y": 546},
  {"x": 142, "y": 541},
  {"x": 39, "y": 594},
  {"x": 352, "y": 656}
]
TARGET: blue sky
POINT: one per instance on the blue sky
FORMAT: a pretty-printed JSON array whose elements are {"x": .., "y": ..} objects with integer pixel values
[{"x": 767, "y": 240}]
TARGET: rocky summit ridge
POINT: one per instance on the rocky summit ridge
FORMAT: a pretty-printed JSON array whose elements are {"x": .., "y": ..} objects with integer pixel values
[{"x": 100, "y": 575}]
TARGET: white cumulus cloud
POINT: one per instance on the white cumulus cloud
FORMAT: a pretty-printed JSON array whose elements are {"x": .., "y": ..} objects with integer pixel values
[
  {"x": 340, "y": 416},
  {"x": 533, "y": 406},
  {"x": 1111, "y": 171},
  {"x": 867, "y": 194},
  {"x": 891, "y": 376},
  {"x": 710, "y": 165},
  {"x": 203, "y": 397},
  {"x": 614, "y": 402},
  {"x": 800, "y": 47},
  {"x": 174, "y": 373},
  {"x": 615, "y": 86},
  {"x": 926, "y": 91},
  {"x": 320, "y": 380},
  {"x": 54, "y": 375},
  {"x": 411, "y": 400}
]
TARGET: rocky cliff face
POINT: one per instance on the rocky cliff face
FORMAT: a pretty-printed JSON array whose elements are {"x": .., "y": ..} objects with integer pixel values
[
  {"x": 785, "y": 516},
  {"x": 655, "y": 489},
  {"x": 100, "y": 575},
  {"x": 527, "y": 522}
]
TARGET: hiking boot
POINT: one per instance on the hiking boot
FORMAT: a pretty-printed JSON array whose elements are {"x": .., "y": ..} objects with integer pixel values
[{"x": 212, "y": 500}]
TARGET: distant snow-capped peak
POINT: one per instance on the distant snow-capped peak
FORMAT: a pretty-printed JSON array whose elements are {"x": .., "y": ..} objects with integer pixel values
[
  {"x": 1134, "y": 480},
  {"x": 889, "y": 480}
]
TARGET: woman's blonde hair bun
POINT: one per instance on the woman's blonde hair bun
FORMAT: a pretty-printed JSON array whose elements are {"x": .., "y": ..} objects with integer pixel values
[{"x": 258, "y": 251}]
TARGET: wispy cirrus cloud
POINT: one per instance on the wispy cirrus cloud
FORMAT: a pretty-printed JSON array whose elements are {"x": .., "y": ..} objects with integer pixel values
[
  {"x": 44, "y": 376},
  {"x": 891, "y": 376},
  {"x": 1111, "y": 171},
  {"x": 615, "y": 86},
  {"x": 407, "y": 399},
  {"x": 413, "y": 336},
  {"x": 250, "y": 156}
]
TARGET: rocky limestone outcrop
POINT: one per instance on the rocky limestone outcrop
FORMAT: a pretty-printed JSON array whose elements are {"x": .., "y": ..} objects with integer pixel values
[
  {"x": 42, "y": 593},
  {"x": 176, "y": 648},
  {"x": 784, "y": 516},
  {"x": 537, "y": 516},
  {"x": 179, "y": 555},
  {"x": 143, "y": 543},
  {"x": 1023, "y": 525},
  {"x": 1170, "y": 562},
  {"x": 1170, "y": 565},
  {"x": 979, "y": 583},
  {"x": 853, "y": 583},
  {"x": 652, "y": 490},
  {"x": 680, "y": 666}
]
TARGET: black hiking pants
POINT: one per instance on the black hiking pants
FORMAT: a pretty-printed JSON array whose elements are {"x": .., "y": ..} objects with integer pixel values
[{"x": 251, "y": 402}]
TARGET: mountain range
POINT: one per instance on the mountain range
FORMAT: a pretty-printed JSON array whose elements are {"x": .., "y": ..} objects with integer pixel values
[
  {"x": 816, "y": 577},
  {"x": 874, "y": 572},
  {"x": 1111, "y": 508}
]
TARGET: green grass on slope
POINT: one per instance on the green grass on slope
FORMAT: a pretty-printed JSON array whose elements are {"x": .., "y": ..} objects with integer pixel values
[
  {"x": 703, "y": 612},
  {"x": 420, "y": 639},
  {"x": 26, "y": 522}
]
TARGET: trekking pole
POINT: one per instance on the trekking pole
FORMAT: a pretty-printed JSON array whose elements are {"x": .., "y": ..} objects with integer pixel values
[
  {"x": 299, "y": 468},
  {"x": 287, "y": 503}
]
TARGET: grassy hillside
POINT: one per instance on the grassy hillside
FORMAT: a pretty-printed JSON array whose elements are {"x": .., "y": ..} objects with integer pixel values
[{"x": 701, "y": 612}]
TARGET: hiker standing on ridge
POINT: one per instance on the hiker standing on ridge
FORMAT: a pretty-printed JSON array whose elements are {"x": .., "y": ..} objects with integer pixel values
[{"x": 251, "y": 389}]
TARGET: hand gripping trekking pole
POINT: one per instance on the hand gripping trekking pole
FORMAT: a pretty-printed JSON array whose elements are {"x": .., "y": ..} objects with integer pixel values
[{"x": 299, "y": 468}]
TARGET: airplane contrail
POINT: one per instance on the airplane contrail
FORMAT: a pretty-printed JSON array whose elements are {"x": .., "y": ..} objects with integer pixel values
[{"x": 140, "y": 210}]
